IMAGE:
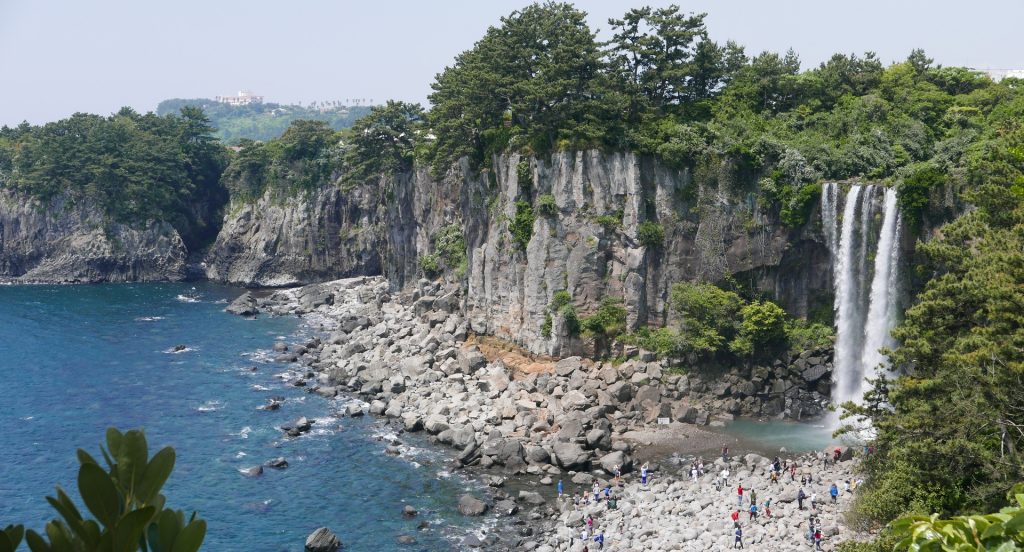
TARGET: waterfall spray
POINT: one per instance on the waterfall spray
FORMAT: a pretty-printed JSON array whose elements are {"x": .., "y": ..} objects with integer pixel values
[
  {"x": 846, "y": 364},
  {"x": 881, "y": 310}
]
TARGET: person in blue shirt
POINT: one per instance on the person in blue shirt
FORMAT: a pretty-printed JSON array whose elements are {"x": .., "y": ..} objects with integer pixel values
[
  {"x": 753, "y": 511},
  {"x": 560, "y": 488},
  {"x": 834, "y": 491},
  {"x": 599, "y": 539},
  {"x": 739, "y": 538}
]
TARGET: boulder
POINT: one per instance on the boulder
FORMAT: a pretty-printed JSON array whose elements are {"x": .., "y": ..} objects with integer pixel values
[
  {"x": 570, "y": 455},
  {"x": 471, "y": 360},
  {"x": 322, "y": 540},
  {"x": 470, "y": 505},
  {"x": 244, "y": 305},
  {"x": 252, "y": 472},
  {"x": 567, "y": 366},
  {"x": 408, "y": 511},
  {"x": 435, "y": 424},
  {"x": 617, "y": 458},
  {"x": 599, "y": 438},
  {"x": 814, "y": 373},
  {"x": 278, "y": 463},
  {"x": 531, "y": 497}
]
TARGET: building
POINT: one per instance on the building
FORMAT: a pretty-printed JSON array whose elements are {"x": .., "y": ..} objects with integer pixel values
[
  {"x": 1000, "y": 74},
  {"x": 242, "y": 98}
]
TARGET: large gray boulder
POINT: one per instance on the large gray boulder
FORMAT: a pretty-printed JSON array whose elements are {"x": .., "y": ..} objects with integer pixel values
[
  {"x": 244, "y": 305},
  {"x": 570, "y": 455},
  {"x": 322, "y": 540},
  {"x": 470, "y": 505},
  {"x": 617, "y": 458}
]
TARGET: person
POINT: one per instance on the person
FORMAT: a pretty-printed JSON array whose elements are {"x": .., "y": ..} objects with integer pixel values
[
  {"x": 803, "y": 480},
  {"x": 739, "y": 495},
  {"x": 810, "y": 530},
  {"x": 792, "y": 473},
  {"x": 584, "y": 536},
  {"x": 800, "y": 496},
  {"x": 597, "y": 490},
  {"x": 834, "y": 491},
  {"x": 753, "y": 496},
  {"x": 613, "y": 503},
  {"x": 774, "y": 477},
  {"x": 753, "y": 510},
  {"x": 817, "y": 538},
  {"x": 590, "y": 523},
  {"x": 739, "y": 538},
  {"x": 608, "y": 491},
  {"x": 618, "y": 474},
  {"x": 693, "y": 473},
  {"x": 814, "y": 502},
  {"x": 768, "y": 508},
  {"x": 724, "y": 476},
  {"x": 643, "y": 475},
  {"x": 846, "y": 485},
  {"x": 700, "y": 467},
  {"x": 560, "y": 488},
  {"x": 725, "y": 453},
  {"x": 824, "y": 461},
  {"x": 836, "y": 454},
  {"x": 599, "y": 539},
  {"x": 735, "y": 518}
]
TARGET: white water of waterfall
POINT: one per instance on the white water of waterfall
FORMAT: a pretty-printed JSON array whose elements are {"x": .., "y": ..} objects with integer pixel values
[
  {"x": 865, "y": 315},
  {"x": 882, "y": 309},
  {"x": 846, "y": 305}
]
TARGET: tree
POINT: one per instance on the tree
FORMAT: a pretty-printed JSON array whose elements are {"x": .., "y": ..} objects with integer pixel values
[
  {"x": 708, "y": 315},
  {"x": 383, "y": 141},
  {"x": 130, "y": 512}
]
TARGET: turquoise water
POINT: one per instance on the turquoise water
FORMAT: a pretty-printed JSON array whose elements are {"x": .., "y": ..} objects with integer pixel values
[
  {"x": 769, "y": 436},
  {"x": 77, "y": 359}
]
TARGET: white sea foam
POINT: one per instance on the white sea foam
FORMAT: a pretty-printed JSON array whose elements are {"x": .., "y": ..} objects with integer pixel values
[
  {"x": 244, "y": 433},
  {"x": 149, "y": 318},
  {"x": 258, "y": 387},
  {"x": 188, "y": 298},
  {"x": 210, "y": 406},
  {"x": 241, "y": 455},
  {"x": 175, "y": 350}
]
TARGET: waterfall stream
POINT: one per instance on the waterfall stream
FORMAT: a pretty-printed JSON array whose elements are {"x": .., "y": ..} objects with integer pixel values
[{"x": 865, "y": 314}]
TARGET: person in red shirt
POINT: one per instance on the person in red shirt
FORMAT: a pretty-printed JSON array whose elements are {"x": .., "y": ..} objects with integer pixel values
[
  {"x": 739, "y": 496},
  {"x": 736, "y": 517}
]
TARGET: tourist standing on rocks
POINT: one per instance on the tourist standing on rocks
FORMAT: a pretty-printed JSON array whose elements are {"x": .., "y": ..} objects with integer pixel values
[
  {"x": 774, "y": 478},
  {"x": 739, "y": 496},
  {"x": 560, "y": 488},
  {"x": 725, "y": 453},
  {"x": 814, "y": 502},
  {"x": 768, "y": 507},
  {"x": 693, "y": 473},
  {"x": 792, "y": 473},
  {"x": 817, "y": 538},
  {"x": 753, "y": 496},
  {"x": 834, "y": 491},
  {"x": 739, "y": 538},
  {"x": 800, "y": 496},
  {"x": 643, "y": 475},
  {"x": 599, "y": 539},
  {"x": 753, "y": 511},
  {"x": 735, "y": 518}
]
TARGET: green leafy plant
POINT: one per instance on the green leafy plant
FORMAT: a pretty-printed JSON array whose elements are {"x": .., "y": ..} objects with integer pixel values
[
  {"x": 521, "y": 226},
  {"x": 430, "y": 264},
  {"x": 998, "y": 532},
  {"x": 125, "y": 500},
  {"x": 546, "y": 205},
  {"x": 650, "y": 234}
]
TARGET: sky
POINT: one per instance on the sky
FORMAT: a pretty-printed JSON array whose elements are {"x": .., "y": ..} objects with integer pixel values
[{"x": 58, "y": 57}]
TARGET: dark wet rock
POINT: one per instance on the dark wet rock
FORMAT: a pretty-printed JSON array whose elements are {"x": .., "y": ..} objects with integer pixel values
[
  {"x": 252, "y": 472},
  {"x": 322, "y": 540},
  {"x": 278, "y": 463},
  {"x": 408, "y": 511}
]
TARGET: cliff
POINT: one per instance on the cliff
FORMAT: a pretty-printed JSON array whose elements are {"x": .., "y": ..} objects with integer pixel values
[
  {"x": 714, "y": 226},
  {"x": 64, "y": 242}
]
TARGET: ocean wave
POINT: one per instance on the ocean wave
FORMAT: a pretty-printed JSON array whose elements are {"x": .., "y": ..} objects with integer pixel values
[
  {"x": 258, "y": 387},
  {"x": 177, "y": 349},
  {"x": 188, "y": 298},
  {"x": 210, "y": 406},
  {"x": 244, "y": 433},
  {"x": 149, "y": 318}
]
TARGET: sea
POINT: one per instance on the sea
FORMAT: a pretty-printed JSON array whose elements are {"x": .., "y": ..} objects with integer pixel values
[{"x": 76, "y": 360}]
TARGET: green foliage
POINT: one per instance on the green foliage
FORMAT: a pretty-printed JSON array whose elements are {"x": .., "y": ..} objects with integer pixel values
[
  {"x": 607, "y": 322},
  {"x": 913, "y": 193},
  {"x": 125, "y": 501},
  {"x": 663, "y": 342},
  {"x": 546, "y": 205},
  {"x": 708, "y": 314},
  {"x": 521, "y": 226},
  {"x": 135, "y": 168},
  {"x": 998, "y": 531},
  {"x": 545, "y": 327},
  {"x": 611, "y": 221},
  {"x": 806, "y": 336},
  {"x": 263, "y": 122},
  {"x": 559, "y": 300},
  {"x": 562, "y": 306},
  {"x": 430, "y": 264},
  {"x": 383, "y": 141},
  {"x": 524, "y": 177},
  {"x": 650, "y": 234},
  {"x": 762, "y": 328}
]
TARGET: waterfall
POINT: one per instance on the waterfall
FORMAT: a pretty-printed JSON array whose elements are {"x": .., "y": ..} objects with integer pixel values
[
  {"x": 865, "y": 314},
  {"x": 882, "y": 308}
]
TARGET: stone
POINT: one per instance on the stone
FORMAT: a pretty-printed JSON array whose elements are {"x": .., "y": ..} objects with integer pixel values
[
  {"x": 567, "y": 366},
  {"x": 408, "y": 511},
  {"x": 814, "y": 373},
  {"x": 435, "y": 424},
  {"x": 599, "y": 438},
  {"x": 570, "y": 455},
  {"x": 322, "y": 540},
  {"x": 471, "y": 360},
  {"x": 616, "y": 458},
  {"x": 278, "y": 463},
  {"x": 470, "y": 505},
  {"x": 244, "y": 305},
  {"x": 532, "y": 498},
  {"x": 252, "y": 472}
]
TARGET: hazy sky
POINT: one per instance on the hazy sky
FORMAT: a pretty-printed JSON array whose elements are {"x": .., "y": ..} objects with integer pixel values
[{"x": 59, "y": 57}]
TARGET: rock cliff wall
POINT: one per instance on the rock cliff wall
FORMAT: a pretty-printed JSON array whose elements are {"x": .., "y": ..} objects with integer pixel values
[
  {"x": 62, "y": 242},
  {"x": 713, "y": 228}
]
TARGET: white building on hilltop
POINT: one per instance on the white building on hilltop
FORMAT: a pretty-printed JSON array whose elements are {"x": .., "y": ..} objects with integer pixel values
[
  {"x": 1000, "y": 74},
  {"x": 242, "y": 98}
]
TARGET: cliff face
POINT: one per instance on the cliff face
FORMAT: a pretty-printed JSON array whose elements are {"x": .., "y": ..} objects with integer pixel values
[
  {"x": 713, "y": 227},
  {"x": 309, "y": 237},
  {"x": 61, "y": 242}
]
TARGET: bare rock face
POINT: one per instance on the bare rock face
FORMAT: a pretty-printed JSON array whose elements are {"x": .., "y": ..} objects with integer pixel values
[
  {"x": 299, "y": 239},
  {"x": 63, "y": 242}
]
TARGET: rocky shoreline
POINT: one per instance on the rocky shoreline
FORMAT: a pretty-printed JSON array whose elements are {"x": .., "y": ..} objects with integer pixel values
[{"x": 527, "y": 421}]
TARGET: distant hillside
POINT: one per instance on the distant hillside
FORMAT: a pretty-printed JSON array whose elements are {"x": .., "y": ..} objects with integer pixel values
[{"x": 262, "y": 121}]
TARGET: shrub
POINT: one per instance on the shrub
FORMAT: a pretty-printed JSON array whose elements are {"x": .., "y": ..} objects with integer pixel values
[
  {"x": 913, "y": 193},
  {"x": 999, "y": 531},
  {"x": 546, "y": 205},
  {"x": 430, "y": 265},
  {"x": 762, "y": 327},
  {"x": 450, "y": 245},
  {"x": 663, "y": 342},
  {"x": 611, "y": 221},
  {"x": 803, "y": 335},
  {"x": 560, "y": 299},
  {"x": 521, "y": 226},
  {"x": 650, "y": 234},
  {"x": 608, "y": 321},
  {"x": 125, "y": 500},
  {"x": 545, "y": 327}
]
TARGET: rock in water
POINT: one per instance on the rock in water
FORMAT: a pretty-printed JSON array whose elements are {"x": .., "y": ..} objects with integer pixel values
[
  {"x": 322, "y": 540},
  {"x": 278, "y": 463},
  {"x": 469, "y": 505},
  {"x": 245, "y": 305},
  {"x": 252, "y": 472}
]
